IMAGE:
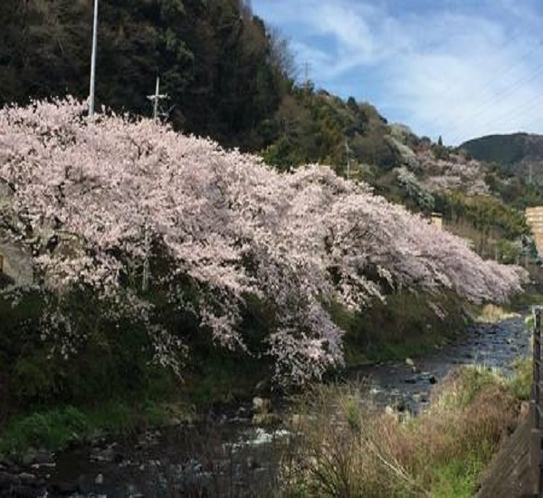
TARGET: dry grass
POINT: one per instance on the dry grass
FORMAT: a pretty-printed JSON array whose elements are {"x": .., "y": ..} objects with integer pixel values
[
  {"x": 347, "y": 448},
  {"x": 492, "y": 313}
]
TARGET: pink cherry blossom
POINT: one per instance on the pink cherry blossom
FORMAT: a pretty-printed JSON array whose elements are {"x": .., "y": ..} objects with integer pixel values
[{"x": 224, "y": 220}]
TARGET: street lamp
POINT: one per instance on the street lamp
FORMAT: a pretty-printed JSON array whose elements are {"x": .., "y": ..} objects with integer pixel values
[{"x": 93, "y": 59}]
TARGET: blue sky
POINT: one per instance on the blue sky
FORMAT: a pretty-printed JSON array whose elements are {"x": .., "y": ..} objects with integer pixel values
[{"x": 456, "y": 68}]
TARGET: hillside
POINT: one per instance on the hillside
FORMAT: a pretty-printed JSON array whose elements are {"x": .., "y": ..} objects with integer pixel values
[
  {"x": 228, "y": 76},
  {"x": 194, "y": 246},
  {"x": 476, "y": 200},
  {"x": 223, "y": 72},
  {"x": 519, "y": 154}
]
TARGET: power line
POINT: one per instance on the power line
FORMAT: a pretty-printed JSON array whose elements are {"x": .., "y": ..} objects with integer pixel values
[
  {"x": 93, "y": 59},
  {"x": 493, "y": 98},
  {"x": 505, "y": 93},
  {"x": 515, "y": 112}
]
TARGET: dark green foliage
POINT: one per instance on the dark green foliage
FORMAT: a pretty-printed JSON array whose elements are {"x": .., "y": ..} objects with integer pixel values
[
  {"x": 501, "y": 149},
  {"x": 17, "y": 343},
  {"x": 108, "y": 359},
  {"x": 113, "y": 359},
  {"x": 497, "y": 230},
  {"x": 56, "y": 428},
  {"x": 215, "y": 374},
  {"x": 53, "y": 429},
  {"x": 515, "y": 190},
  {"x": 407, "y": 324},
  {"x": 483, "y": 212},
  {"x": 215, "y": 60},
  {"x": 319, "y": 127}
]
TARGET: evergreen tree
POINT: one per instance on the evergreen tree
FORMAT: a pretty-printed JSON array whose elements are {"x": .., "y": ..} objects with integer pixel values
[{"x": 215, "y": 60}]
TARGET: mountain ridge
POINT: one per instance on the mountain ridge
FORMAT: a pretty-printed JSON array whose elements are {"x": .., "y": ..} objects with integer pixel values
[{"x": 519, "y": 154}]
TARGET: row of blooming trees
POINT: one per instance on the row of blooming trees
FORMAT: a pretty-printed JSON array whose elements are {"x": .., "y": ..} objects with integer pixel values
[{"x": 97, "y": 201}]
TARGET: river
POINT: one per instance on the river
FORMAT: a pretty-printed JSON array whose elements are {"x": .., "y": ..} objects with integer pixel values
[{"x": 226, "y": 455}]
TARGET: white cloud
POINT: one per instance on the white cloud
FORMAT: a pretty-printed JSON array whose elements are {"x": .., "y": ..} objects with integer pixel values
[{"x": 459, "y": 69}]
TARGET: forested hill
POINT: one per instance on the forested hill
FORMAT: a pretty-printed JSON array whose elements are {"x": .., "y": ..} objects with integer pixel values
[
  {"x": 230, "y": 77},
  {"x": 520, "y": 154},
  {"x": 219, "y": 65},
  {"x": 227, "y": 75}
]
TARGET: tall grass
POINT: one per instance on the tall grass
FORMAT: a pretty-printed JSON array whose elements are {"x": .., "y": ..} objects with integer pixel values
[{"x": 344, "y": 447}]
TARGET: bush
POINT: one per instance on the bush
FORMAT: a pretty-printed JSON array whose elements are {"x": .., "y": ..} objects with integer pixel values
[
  {"x": 105, "y": 360},
  {"x": 407, "y": 324},
  {"x": 55, "y": 429},
  {"x": 52, "y": 429},
  {"x": 347, "y": 448}
]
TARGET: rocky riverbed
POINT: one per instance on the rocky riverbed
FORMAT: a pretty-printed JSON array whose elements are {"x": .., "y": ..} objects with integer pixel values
[
  {"x": 407, "y": 385},
  {"x": 228, "y": 454}
]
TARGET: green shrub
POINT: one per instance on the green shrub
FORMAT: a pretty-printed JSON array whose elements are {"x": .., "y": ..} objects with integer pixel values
[
  {"x": 56, "y": 428},
  {"x": 405, "y": 325},
  {"x": 52, "y": 429},
  {"x": 103, "y": 359}
]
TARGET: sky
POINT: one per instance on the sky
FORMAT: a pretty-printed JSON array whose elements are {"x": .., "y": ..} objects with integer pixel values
[{"x": 459, "y": 69}]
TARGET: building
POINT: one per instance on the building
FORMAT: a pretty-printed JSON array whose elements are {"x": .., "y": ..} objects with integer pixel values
[{"x": 534, "y": 218}]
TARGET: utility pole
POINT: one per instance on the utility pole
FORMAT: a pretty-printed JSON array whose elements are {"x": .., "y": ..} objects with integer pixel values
[
  {"x": 348, "y": 153},
  {"x": 156, "y": 98},
  {"x": 93, "y": 59}
]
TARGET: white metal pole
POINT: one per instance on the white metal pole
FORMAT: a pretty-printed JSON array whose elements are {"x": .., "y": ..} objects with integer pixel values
[
  {"x": 93, "y": 59},
  {"x": 157, "y": 94}
]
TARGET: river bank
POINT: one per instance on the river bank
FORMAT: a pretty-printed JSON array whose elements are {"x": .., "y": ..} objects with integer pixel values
[
  {"x": 225, "y": 454},
  {"x": 408, "y": 384}
]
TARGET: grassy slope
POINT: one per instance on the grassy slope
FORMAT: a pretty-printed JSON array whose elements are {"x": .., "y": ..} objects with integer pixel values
[{"x": 441, "y": 453}]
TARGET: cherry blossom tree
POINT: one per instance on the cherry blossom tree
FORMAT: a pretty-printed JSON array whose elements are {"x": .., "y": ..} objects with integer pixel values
[{"x": 95, "y": 201}]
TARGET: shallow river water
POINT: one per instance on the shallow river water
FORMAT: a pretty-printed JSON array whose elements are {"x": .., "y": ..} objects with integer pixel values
[{"x": 230, "y": 457}]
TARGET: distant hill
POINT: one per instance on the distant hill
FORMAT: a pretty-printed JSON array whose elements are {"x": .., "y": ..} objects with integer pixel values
[{"x": 519, "y": 154}]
